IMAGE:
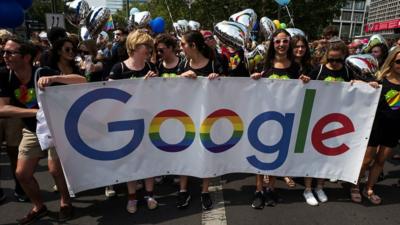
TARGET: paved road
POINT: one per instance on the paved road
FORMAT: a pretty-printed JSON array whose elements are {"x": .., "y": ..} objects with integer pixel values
[{"x": 93, "y": 208}]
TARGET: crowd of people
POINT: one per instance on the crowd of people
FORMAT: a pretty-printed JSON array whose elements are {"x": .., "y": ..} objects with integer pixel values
[{"x": 140, "y": 54}]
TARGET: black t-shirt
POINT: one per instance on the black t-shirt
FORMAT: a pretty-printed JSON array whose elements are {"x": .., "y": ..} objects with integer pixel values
[
  {"x": 323, "y": 73},
  {"x": 21, "y": 95},
  {"x": 292, "y": 72},
  {"x": 121, "y": 71},
  {"x": 389, "y": 101},
  {"x": 211, "y": 67},
  {"x": 169, "y": 72}
]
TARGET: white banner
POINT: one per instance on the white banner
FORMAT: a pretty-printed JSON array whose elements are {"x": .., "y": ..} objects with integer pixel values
[{"x": 113, "y": 132}]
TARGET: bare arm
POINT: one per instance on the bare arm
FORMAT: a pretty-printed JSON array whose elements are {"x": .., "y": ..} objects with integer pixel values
[
  {"x": 64, "y": 79},
  {"x": 7, "y": 110}
]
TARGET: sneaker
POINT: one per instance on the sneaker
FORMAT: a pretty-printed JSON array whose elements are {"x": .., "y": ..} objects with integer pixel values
[
  {"x": 333, "y": 180},
  {"x": 109, "y": 191},
  {"x": 33, "y": 216},
  {"x": 272, "y": 198},
  {"x": 131, "y": 207},
  {"x": 206, "y": 201},
  {"x": 65, "y": 213},
  {"x": 183, "y": 199},
  {"x": 310, "y": 198},
  {"x": 321, "y": 195},
  {"x": 258, "y": 200},
  {"x": 151, "y": 203},
  {"x": 20, "y": 197}
]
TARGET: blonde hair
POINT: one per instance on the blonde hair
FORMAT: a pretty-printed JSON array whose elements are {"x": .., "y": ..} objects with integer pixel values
[
  {"x": 5, "y": 35},
  {"x": 388, "y": 64},
  {"x": 137, "y": 38},
  {"x": 335, "y": 46}
]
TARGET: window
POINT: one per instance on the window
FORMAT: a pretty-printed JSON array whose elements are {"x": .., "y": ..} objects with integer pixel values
[
  {"x": 359, "y": 5},
  {"x": 346, "y": 15},
  {"x": 345, "y": 30},
  {"x": 348, "y": 5}
]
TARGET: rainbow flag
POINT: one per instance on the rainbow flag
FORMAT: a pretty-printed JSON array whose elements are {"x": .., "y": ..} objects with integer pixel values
[{"x": 109, "y": 24}]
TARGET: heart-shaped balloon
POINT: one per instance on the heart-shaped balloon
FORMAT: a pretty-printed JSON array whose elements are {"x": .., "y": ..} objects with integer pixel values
[
  {"x": 295, "y": 32},
  {"x": 194, "y": 25},
  {"x": 76, "y": 12},
  {"x": 142, "y": 19},
  {"x": 246, "y": 17},
  {"x": 84, "y": 33},
  {"x": 363, "y": 66},
  {"x": 267, "y": 27},
  {"x": 374, "y": 41},
  {"x": 256, "y": 56},
  {"x": 232, "y": 34},
  {"x": 96, "y": 20}
]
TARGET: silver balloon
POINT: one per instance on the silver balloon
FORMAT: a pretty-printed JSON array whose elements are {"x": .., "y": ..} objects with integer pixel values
[
  {"x": 131, "y": 22},
  {"x": 142, "y": 19},
  {"x": 267, "y": 27},
  {"x": 184, "y": 25},
  {"x": 374, "y": 40},
  {"x": 363, "y": 66},
  {"x": 232, "y": 34},
  {"x": 256, "y": 57},
  {"x": 84, "y": 32},
  {"x": 246, "y": 17},
  {"x": 76, "y": 11},
  {"x": 194, "y": 25},
  {"x": 295, "y": 31},
  {"x": 96, "y": 20}
]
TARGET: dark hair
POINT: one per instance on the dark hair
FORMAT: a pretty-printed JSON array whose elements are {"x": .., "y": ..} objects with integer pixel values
[
  {"x": 195, "y": 37},
  {"x": 166, "y": 39},
  {"x": 124, "y": 30},
  {"x": 56, "y": 33},
  {"x": 271, "y": 50},
  {"x": 331, "y": 31},
  {"x": 55, "y": 56},
  {"x": 335, "y": 46},
  {"x": 25, "y": 47},
  {"x": 306, "y": 59},
  {"x": 385, "y": 52}
]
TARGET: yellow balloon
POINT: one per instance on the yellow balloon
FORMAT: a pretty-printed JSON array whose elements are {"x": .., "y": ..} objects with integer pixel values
[{"x": 277, "y": 24}]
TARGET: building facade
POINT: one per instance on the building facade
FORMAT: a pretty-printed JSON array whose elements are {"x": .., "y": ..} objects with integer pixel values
[
  {"x": 351, "y": 19},
  {"x": 383, "y": 18}
]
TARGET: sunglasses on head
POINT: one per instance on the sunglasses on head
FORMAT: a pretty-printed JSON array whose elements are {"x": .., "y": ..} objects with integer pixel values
[
  {"x": 332, "y": 60},
  {"x": 284, "y": 41}
]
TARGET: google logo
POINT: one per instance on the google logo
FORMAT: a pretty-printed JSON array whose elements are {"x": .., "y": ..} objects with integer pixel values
[{"x": 319, "y": 132}]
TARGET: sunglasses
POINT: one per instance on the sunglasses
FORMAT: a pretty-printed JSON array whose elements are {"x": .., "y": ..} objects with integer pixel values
[
  {"x": 397, "y": 62},
  {"x": 160, "y": 50},
  {"x": 7, "y": 53},
  {"x": 84, "y": 52},
  {"x": 284, "y": 41},
  {"x": 209, "y": 38},
  {"x": 68, "y": 50},
  {"x": 332, "y": 60}
]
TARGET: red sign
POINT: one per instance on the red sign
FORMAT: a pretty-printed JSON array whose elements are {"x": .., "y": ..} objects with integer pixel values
[{"x": 386, "y": 25}]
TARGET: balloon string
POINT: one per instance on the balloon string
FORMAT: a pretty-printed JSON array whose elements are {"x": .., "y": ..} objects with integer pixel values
[
  {"x": 170, "y": 15},
  {"x": 290, "y": 16}
]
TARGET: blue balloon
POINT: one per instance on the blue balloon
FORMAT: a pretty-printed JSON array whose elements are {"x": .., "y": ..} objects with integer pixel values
[
  {"x": 256, "y": 26},
  {"x": 11, "y": 14},
  {"x": 133, "y": 11},
  {"x": 25, "y": 4},
  {"x": 157, "y": 25},
  {"x": 282, "y": 2}
]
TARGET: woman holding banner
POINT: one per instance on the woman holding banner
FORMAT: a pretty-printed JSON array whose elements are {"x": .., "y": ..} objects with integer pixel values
[
  {"x": 384, "y": 135},
  {"x": 200, "y": 62},
  {"x": 280, "y": 64},
  {"x": 139, "y": 46}
]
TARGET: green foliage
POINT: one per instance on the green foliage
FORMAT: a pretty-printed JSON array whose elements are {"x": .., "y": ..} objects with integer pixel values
[{"x": 311, "y": 16}]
